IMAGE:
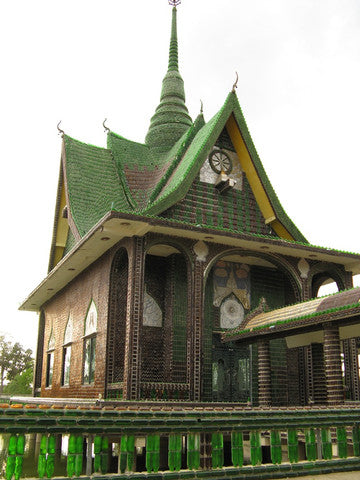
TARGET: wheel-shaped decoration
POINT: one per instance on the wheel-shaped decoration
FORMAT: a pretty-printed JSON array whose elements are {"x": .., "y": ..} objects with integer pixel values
[
  {"x": 220, "y": 162},
  {"x": 231, "y": 313}
]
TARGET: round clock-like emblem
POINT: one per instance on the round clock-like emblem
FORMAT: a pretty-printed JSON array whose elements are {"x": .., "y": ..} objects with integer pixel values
[
  {"x": 220, "y": 161},
  {"x": 231, "y": 313}
]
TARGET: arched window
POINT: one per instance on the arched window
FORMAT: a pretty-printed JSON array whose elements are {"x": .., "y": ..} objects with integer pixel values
[
  {"x": 66, "y": 356},
  {"x": 50, "y": 360},
  {"x": 90, "y": 344}
]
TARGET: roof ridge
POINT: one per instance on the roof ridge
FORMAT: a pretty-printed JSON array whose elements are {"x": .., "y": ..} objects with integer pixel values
[
  {"x": 184, "y": 145},
  {"x": 185, "y": 176},
  {"x": 121, "y": 175}
]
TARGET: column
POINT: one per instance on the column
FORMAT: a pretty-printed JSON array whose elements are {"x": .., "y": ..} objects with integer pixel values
[
  {"x": 39, "y": 355},
  {"x": 198, "y": 314},
  {"x": 264, "y": 370},
  {"x": 332, "y": 363},
  {"x": 134, "y": 314}
]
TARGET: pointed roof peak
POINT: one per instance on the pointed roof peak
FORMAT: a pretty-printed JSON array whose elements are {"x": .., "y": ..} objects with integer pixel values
[
  {"x": 171, "y": 118},
  {"x": 173, "y": 51}
]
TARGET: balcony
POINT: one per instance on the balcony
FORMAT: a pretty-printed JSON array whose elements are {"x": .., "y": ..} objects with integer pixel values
[{"x": 140, "y": 440}]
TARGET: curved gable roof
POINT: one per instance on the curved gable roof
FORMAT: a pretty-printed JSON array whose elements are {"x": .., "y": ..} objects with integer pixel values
[{"x": 230, "y": 117}]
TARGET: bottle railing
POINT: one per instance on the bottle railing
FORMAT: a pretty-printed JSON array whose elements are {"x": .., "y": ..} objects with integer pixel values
[{"x": 182, "y": 442}]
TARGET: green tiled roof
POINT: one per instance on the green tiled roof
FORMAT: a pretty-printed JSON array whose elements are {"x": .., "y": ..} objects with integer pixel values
[
  {"x": 151, "y": 179},
  {"x": 186, "y": 171},
  {"x": 93, "y": 183},
  {"x": 131, "y": 177}
]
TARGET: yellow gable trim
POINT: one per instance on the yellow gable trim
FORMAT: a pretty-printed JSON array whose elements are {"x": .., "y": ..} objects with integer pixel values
[
  {"x": 254, "y": 180},
  {"x": 61, "y": 230}
]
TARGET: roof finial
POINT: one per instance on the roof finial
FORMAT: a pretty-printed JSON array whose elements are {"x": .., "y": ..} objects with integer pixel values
[
  {"x": 171, "y": 118},
  {"x": 61, "y": 132},
  {"x": 201, "y": 107},
  {"x": 106, "y": 129},
  {"x": 173, "y": 51},
  {"x": 236, "y": 82}
]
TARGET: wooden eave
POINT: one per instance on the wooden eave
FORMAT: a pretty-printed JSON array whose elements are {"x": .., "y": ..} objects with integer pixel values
[{"x": 115, "y": 226}]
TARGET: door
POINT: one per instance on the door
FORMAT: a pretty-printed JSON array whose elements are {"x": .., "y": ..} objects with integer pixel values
[{"x": 231, "y": 372}]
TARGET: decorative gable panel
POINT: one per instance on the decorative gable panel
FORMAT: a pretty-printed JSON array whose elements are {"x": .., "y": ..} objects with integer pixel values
[{"x": 208, "y": 175}]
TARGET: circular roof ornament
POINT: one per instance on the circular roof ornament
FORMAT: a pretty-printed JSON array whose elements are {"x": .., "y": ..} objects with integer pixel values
[{"x": 220, "y": 162}]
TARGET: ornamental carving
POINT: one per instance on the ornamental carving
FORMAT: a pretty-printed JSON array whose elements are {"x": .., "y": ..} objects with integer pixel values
[
  {"x": 201, "y": 251},
  {"x": 304, "y": 268}
]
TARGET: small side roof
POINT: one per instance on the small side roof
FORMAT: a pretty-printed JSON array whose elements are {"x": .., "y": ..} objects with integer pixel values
[{"x": 301, "y": 315}]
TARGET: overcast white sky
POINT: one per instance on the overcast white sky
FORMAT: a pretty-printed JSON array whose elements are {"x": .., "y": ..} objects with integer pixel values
[{"x": 81, "y": 61}]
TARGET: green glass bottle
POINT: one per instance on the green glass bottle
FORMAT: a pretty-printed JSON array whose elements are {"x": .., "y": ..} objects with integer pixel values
[
  {"x": 275, "y": 447},
  {"x": 130, "y": 449},
  {"x": 174, "y": 458},
  {"x": 255, "y": 448},
  {"x": 310, "y": 444},
  {"x": 356, "y": 440},
  {"x": 237, "y": 451},
  {"x": 11, "y": 458},
  {"x": 293, "y": 445},
  {"x": 342, "y": 441},
  {"x": 326, "y": 447}
]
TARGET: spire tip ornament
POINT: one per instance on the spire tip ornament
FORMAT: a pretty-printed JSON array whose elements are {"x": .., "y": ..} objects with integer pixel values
[
  {"x": 61, "y": 132},
  {"x": 106, "y": 129},
  {"x": 236, "y": 82},
  {"x": 174, "y": 3}
]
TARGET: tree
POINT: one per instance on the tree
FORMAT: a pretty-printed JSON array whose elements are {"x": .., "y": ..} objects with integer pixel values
[
  {"x": 21, "y": 383},
  {"x": 13, "y": 360}
]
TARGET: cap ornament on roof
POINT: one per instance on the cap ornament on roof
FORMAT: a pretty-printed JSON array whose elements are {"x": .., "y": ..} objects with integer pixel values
[
  {"x": 236, "y": 82},
  {"x": 174, "y": 3},
  {"x": 61, "y": 132},
  {"x": 106, "y": 129}
]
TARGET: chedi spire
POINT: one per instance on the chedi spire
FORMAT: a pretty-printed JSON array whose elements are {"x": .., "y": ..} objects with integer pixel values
[{"x": 171, "y": 118}]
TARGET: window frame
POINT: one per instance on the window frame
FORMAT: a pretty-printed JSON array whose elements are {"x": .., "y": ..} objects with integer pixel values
[
  {"x": 49, "y": 368},
  {"x": 66, "y": 350},
  {"x": 90, "y": 361}
]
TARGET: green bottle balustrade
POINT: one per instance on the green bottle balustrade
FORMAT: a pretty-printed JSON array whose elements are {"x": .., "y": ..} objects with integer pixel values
[{"x": 158, "y": 440}]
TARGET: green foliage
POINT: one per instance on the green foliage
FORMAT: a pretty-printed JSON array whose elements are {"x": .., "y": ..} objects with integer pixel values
[
  {"x": 21, "y": 384},
  {"x": 13, "y": 360}
]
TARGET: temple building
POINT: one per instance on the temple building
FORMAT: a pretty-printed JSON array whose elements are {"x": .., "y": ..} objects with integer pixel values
[{"x": 175, "y": 273}]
